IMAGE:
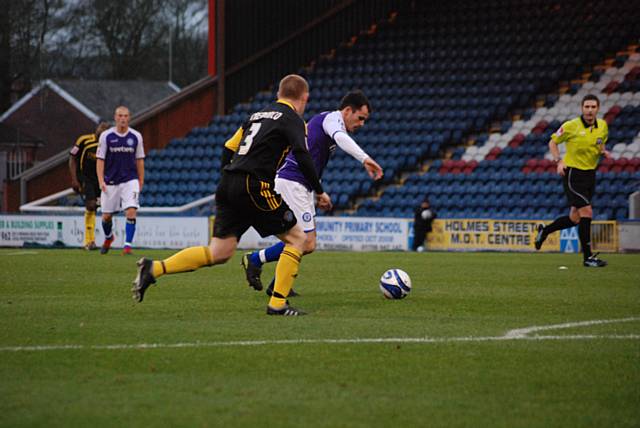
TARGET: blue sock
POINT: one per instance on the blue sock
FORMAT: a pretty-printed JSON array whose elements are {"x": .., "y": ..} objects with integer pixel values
[
  {"x": 106, "y": 227},
  {"x": 267, "y": 255},
  {"x": 129, "y": 231}
]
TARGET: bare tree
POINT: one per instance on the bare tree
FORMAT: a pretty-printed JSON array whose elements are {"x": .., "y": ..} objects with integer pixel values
[
  {"x": 115, "y": 39},
  {"x": 5, "y": 57},
  {"x": 129, "y": 31},
  {"x": 189, "y": 40},
  {"x": 73, "y": 44},
  {"x": 23, "y": 30}
]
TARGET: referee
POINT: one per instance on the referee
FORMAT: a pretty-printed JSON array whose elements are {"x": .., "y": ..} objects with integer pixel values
[
  {"x": 585, "y": 137},
  {"x": 245, "y": 197}
]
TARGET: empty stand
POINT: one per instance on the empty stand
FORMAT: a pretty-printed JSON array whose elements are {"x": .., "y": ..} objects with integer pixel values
[{"x": 485, "y": 77}]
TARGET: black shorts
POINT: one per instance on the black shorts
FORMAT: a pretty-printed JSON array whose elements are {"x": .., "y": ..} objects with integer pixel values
[
  {"x": 579, "y": 186},
  {"x": 90, "y": 188},
  {"x": 243, "y": 201}
]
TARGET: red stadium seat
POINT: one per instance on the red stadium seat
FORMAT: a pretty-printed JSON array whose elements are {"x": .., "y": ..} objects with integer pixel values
[
  {"x": 622, "y": 162},
  {"x": 547, "y": 163},
  {"x": 611, "y": 87},
  {"x": 516, "y": 140},
  {"x": 540, "y": 127},
  {"x": 615, "y": 110},
  {"x": 607, "y": 162}
]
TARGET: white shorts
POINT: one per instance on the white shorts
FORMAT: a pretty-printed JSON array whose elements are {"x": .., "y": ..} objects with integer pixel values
[
  {"x": 119, "y": 197},
  {"x": 300, "y": 200}
]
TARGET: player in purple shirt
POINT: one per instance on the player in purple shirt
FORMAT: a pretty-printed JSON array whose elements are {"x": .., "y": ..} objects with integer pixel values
[
  {"x": 326, "y": 131},
  {"x": 120, "y": 170}
]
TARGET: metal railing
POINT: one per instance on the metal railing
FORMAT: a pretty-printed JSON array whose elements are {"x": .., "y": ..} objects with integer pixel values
[
  {"x": 40, "y": 205},
  {"x": 604, "y": 236}
]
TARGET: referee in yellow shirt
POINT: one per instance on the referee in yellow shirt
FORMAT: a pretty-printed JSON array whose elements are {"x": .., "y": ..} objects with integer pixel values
[{"x": 585, "y": 137}]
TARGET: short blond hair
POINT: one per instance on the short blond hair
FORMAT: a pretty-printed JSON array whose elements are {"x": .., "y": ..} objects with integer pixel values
[
  {"x": 122, "y": 108},
  {"x": 293, "y": 87}
]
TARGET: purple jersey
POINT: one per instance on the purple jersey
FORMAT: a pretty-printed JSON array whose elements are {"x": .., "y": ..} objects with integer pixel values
[
  {"x": 321, "y": 146},
  {"x": 119, "y": 152}
]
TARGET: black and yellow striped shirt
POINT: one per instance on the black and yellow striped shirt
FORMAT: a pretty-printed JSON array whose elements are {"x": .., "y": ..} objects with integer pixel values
[
  {"x": 263, "y": 141},
  {"x": 84, "y": 151}
]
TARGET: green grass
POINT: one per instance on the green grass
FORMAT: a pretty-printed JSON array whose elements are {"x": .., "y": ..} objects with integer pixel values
[{"x": 70, "y": 297}]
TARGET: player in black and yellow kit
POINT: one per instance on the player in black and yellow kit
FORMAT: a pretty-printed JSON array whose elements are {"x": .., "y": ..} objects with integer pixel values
[
  {"x": 245, "y": 197},
  {"x": 585, "y": 137},
  {"x": 82, "y": 167}
]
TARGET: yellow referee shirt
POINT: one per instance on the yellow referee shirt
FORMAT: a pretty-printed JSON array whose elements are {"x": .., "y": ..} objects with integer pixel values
[{"x": 584, "y": 142}]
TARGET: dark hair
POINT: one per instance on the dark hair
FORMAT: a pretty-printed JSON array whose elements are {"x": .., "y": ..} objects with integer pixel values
[
  {"x": 102, "y": 126},
  {"x": 292, "y": 87},
  {"x": 590, "y": 97},
  {"x": 355, "y": 99}
]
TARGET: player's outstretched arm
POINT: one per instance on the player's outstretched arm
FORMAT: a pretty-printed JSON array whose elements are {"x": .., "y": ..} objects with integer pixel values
[
  {"x": 373, "y": 169},
  {"x": 348, "y": 144}
]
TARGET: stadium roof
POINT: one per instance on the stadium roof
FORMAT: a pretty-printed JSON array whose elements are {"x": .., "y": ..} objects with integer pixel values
[
  {"x": 97, "y": 99},
  {"x": 103, "y": 96}
]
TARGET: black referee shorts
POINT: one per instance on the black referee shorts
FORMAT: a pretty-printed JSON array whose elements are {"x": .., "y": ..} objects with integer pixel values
[
  {"x": 579, "y": 185},
  {"x": 243, "y": 201}
]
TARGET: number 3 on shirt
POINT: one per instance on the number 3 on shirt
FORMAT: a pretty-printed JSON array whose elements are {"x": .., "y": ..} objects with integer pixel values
[{"x": 248, "y": 139}]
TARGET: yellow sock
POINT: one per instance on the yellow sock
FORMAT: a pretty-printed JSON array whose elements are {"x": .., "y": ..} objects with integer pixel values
[
  {"x": 89, "y": 227},
  {"x": 286, "y": 272},
  {"x": 189, "y": 259}
]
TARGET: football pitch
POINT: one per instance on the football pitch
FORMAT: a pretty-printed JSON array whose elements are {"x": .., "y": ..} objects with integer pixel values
[{"x": 483, "y": 339}]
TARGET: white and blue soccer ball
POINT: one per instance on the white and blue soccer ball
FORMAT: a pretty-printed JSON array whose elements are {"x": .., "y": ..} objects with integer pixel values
[{"x": 395, "y": 284}]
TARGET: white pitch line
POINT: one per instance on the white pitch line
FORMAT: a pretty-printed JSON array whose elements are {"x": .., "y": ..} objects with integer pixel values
[
  {"x": 521, "y": 332},
  {"x": 22, "y": 253},
  {"x": 242, "y": 343},
  {"x": 517, "y": 334}
]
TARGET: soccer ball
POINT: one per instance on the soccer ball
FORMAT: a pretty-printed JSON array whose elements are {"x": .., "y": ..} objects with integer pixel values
[{"x": 395, "y": 284}]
